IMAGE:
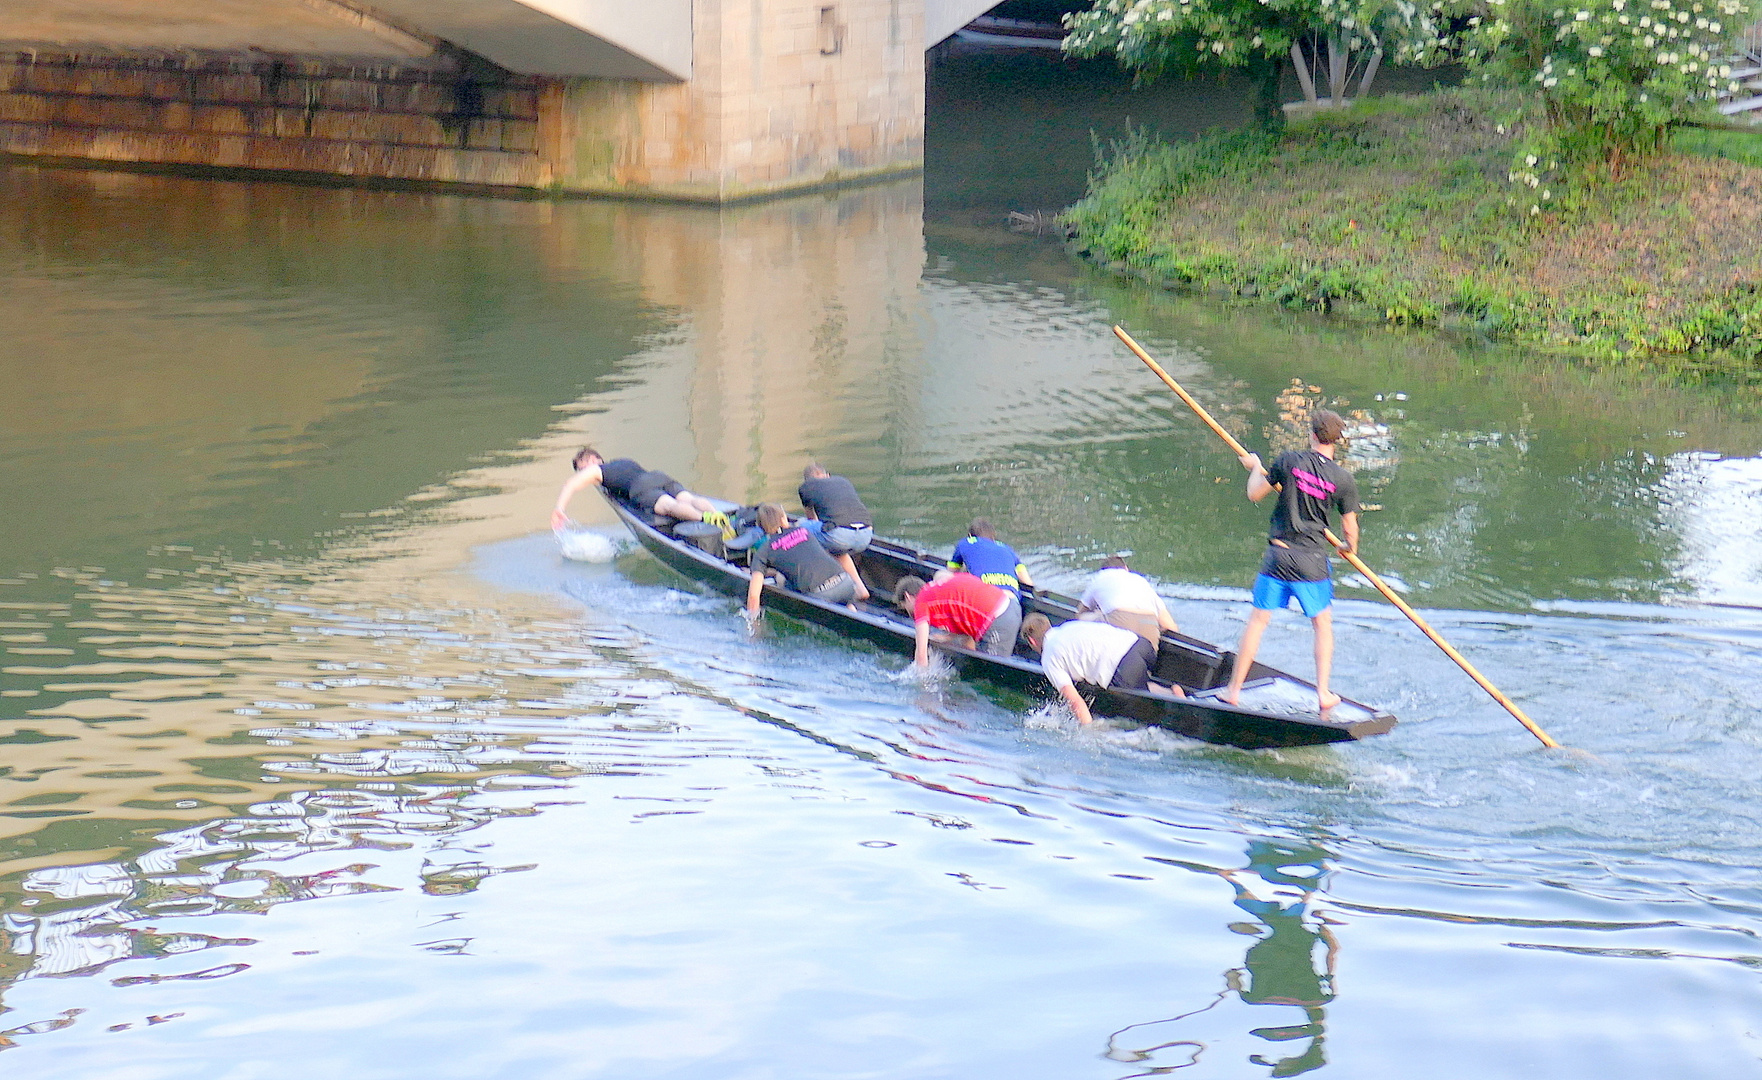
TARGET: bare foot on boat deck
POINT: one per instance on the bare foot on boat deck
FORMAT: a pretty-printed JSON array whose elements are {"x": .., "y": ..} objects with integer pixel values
[
  {"x": 1230, "y": 697},
  {"x": 1327, "y": 701}
]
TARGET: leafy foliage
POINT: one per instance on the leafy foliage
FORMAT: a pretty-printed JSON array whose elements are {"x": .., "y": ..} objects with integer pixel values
[
  {"x": 1154, "y": 35},
  {"x": 1612, "y": 75},
  {"x": 1137, "y": 178},
  {"x": 1182, "y": 36}
]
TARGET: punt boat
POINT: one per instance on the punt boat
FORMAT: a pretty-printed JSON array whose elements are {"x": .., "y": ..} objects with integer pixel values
[{"x": 1276, "y": 709}]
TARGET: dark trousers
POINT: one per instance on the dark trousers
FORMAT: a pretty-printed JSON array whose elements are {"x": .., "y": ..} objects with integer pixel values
[{"x": 1135, "y": 668}]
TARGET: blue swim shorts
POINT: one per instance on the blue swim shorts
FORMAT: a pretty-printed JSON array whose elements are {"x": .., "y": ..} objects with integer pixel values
[{"x": 1276, "y": 594}]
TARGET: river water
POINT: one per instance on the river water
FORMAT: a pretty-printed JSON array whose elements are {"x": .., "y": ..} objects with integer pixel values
[{"x": 319, "y": 760}]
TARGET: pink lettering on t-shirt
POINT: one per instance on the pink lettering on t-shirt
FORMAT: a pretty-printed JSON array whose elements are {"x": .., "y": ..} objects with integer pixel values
[
  {"x": 785, "y": 541},
  {"x": 1312, "y": 485}
]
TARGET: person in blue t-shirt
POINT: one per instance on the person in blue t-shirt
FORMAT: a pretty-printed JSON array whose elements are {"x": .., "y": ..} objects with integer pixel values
[{"x": 995, "y": 563}]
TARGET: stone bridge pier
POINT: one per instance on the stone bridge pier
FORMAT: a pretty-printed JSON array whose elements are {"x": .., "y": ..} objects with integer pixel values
[{"x": 705, "y": 100}]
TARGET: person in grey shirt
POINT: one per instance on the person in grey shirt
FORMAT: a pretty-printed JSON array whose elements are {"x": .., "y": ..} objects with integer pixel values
[{"x": 837, "y": 515}]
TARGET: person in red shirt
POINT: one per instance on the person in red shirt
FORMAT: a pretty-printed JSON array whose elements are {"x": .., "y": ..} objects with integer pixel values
[{"x": 961, "y": 605}]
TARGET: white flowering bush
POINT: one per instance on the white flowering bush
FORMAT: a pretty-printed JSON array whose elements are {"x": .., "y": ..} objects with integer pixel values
[
  {"x": 1612, "y": 75},
  {"x": 1256, "y": 36}
]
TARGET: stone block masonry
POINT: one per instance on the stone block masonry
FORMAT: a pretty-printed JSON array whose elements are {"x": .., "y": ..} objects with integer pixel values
[
  {"x": 783, "y": 95},
  {"x": 419, "y": 120}
]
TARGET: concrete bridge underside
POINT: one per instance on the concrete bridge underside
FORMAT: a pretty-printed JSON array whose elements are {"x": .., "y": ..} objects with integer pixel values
[{"x": 709, "y": 100}]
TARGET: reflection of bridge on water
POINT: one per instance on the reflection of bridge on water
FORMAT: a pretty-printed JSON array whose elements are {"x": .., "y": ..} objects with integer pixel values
[
  {"x": 354, "y": 780},
  {"x": 1281, "y": 968}
]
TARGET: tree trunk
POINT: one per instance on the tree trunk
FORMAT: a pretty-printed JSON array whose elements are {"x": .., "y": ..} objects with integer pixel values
[
  {"x": 1370, "y": 73},
  {"x": 1302, "y": 65},
  {"x": 1336, "y": 71},
  {"x": 1269, "y": 113}
]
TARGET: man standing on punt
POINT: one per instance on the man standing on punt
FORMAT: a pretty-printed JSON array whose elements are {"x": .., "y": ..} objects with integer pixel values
[{"x": 1296, "y": 567}]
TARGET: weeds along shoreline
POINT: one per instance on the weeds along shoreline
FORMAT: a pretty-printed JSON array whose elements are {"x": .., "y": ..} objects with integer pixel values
[{"x": 1405, "y": 210}]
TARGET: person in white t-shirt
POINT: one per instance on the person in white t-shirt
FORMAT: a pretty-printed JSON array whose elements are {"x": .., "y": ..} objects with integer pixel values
[
  {"x": 1102, "y": 655},
  {"x": 1127, "y": 600}
]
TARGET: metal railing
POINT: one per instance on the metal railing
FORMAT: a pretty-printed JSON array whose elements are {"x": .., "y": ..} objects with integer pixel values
[{"x": 1750, "y": 41}]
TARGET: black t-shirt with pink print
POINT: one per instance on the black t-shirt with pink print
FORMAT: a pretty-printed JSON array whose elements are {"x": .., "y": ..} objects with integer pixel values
[
  {"x": 1310, "y": 485},
  {"x": 795, "y": 553}
]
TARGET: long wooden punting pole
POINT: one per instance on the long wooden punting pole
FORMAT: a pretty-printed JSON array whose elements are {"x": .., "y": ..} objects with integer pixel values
[{"x": 1351, "y": 557}]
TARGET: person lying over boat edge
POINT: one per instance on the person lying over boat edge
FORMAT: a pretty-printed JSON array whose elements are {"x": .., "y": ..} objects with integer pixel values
[
  {"x": 1096, "y": 653},
  {"x": 791, "y": 553},
  {"x": 960, "y": 605},
  {"x": 1127, "y": 600},
  {"x": 838, "y": 517},
  {"x": 651, "y": 490}
]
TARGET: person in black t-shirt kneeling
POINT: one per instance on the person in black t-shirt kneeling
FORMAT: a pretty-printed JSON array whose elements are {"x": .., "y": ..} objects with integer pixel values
[
  {"x": 798, "y": 558},
  {"x": 1309, "y": 483}
]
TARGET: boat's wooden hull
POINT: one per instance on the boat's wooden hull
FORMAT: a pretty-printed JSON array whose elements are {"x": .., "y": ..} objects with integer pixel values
[{"x": 1188, "y": 661}]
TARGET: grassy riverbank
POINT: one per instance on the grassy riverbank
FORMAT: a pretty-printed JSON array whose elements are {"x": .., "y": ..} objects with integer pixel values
[{"x": 1399, "y": 210}]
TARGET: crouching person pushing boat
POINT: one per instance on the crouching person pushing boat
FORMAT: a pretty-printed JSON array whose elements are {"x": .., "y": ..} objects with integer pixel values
[
  {"x": 1097, "y": 653},
  {"x": 1309, "y": 483},
  {"x": 798, "y": 559},
  {"x": 992, "y": 561},
  {"x": 1127, "y": 600},
  {"x": 837, "y": 515},
  {"x": 961, "y": 606}
]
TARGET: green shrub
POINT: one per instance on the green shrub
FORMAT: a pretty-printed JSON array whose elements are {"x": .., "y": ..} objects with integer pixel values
[
  {"x": 1612, "y": 76},
  {"x": 1399, "y": 212},
  {"x": 1136, "y": 178}
]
